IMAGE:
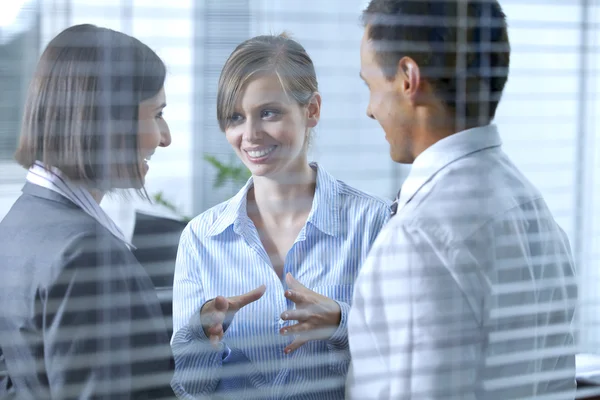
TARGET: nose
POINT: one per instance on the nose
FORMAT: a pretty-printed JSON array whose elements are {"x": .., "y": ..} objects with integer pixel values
[
  {"x": 369, "y": 113},
  {"x": 165, "y": 136},
  {"x": 253, "y": 130}
]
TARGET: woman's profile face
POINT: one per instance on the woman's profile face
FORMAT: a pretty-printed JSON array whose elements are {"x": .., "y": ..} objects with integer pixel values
[
  {"x": 153, "y": 130},
  {"x": 269, "y": 129}
]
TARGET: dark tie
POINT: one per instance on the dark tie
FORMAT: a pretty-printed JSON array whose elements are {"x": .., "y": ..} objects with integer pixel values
[{"x": 394, "y": 205}]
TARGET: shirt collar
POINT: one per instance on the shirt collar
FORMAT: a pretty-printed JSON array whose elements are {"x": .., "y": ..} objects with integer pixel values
[
  {"x": 324, "y": 214},
  {"x": 445, "y": 152},
  {"x": 54, "y": 180}
]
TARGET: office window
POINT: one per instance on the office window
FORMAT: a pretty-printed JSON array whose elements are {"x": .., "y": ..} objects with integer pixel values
[
  {"x": 220, "y": 27},
  {"x": 19, "y": 48}
]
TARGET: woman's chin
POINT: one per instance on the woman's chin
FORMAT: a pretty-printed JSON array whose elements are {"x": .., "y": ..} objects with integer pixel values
[{"x": 263, "y": 170}]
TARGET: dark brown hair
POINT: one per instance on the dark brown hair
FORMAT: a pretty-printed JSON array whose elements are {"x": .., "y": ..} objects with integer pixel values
[
  {"x": 461, "y": 47},
  {"x": 81, "y": 112},
  {"x": 267, "y": 54}
]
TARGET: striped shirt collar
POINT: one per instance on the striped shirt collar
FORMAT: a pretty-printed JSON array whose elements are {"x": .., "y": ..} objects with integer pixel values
[
  {"x": 54, "y": 180},
  {"x": 324, "y": 214}
]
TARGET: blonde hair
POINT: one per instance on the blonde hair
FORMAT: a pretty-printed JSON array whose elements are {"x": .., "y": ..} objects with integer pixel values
[{"x": 266, "y": 54}]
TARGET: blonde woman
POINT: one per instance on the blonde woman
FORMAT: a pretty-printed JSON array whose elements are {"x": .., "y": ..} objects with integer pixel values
[{"x": 264, "y": 281}]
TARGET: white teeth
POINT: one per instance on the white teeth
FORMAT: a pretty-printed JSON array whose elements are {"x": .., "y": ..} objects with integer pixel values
[{"x": 260, "y": 153}]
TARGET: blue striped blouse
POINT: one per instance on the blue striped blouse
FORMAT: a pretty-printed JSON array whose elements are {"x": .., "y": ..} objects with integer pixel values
[{"x": 220, "y": 253}]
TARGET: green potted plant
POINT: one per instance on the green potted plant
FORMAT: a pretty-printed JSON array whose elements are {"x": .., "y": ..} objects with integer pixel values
[{"x": 233, "y": 171}]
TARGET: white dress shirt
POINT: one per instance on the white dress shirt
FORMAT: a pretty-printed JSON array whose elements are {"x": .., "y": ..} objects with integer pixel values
[{"x": 469, "y": 291}]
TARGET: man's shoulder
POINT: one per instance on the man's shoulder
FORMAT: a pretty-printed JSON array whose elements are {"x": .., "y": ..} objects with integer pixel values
[{"x": 470, "y": 194}]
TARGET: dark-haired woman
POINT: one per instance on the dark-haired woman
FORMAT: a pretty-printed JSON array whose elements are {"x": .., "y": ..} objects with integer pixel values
[{"x": 79, "y": 318}]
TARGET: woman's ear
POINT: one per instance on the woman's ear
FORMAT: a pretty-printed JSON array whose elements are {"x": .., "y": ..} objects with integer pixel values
[{"x": 314, "y": 110}]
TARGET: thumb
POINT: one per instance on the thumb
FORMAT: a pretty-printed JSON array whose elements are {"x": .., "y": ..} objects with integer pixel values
[
  {"x": 293, "y": 283},
  {"x": 221, "y": 304},
  {"x": 249, "y": 297}
]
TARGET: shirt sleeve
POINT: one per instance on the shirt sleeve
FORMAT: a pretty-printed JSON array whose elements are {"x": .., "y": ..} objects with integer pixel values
[
  {"x": 413, "y": 334},
  {"x": 197, "y": 362},
  {"x": 338, "y": 345},
  {"x": 88, "y": 322}
]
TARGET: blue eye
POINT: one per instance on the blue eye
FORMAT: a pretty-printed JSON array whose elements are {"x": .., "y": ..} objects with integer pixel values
[
  {"x": 269, "y": 113},
  {"x": 235, "y": 118}
]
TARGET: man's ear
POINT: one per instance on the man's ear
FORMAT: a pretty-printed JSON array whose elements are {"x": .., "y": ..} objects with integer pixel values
[
  {"x": 408, "y": 78},
  {"x": 314, "y": 110}
]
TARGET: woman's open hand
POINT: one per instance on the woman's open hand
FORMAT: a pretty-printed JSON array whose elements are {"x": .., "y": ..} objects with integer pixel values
[
  {"x": 318, "y": 316},
  {"x": 217, "y": 314}
]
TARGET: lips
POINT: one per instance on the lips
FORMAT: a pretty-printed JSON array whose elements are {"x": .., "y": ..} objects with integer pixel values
[
  {"x": 146, "y": 162},
  {"x": 260, "y": 153}
]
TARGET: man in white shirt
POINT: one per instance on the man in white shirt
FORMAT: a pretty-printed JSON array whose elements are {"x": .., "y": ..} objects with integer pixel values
[{"x": 469, "y": 291}]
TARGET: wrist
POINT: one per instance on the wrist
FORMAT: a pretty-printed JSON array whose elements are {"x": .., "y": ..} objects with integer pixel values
[
  {"x": 337, "y": 315},
  {"x": 340, "y": 337}
]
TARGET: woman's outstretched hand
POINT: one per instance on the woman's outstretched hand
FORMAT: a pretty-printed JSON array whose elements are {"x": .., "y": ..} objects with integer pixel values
[
  {"x": 218, "y": 313},
  {"x": 318, "y": 316}
]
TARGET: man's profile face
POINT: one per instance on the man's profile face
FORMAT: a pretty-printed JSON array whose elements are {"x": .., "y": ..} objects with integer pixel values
[{"x": 387, "y": 103}]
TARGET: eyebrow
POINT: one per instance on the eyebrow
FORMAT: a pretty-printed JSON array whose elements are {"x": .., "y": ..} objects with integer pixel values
[
  {"x": 274, "y": 103},
  {"x": 271, "y": 103},
  {"x": 163, "y": 105}
]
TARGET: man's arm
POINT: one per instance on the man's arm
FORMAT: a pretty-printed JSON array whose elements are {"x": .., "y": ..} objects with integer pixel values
[{"x": 413, "y": 334}]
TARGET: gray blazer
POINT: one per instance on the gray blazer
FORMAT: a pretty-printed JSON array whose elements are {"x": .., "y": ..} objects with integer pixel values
[{"x": 79, "y": 316}]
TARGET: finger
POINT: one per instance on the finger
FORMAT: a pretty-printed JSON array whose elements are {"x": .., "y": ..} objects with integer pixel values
[
  {"x": 213, "y": 323},
  {"x": 296, "y": 296},
  {"x": 308, "y": 331},
  {"x": 215, "y": 334},
  {"x": 247, "y": 298},
  {"x": 296, "y": 315},
  {"x": 209, "y": 315},
  {"x": 214, "y": 340},
  {"x": 295, "y": 345},
  {"x": 216, "y": 330},
  {"x": 221, "y": 304},
  {"x": 293, "y": 283},
  {"x": 295, "y": 329}
]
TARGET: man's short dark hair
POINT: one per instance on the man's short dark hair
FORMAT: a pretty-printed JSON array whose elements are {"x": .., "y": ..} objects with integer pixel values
[
  {"x": 81, "y": 112},
  {"x": 461, "y": 47}
]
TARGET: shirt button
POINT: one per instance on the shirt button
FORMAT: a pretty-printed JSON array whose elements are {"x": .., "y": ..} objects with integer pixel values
[{"x": 281, "y": 322}]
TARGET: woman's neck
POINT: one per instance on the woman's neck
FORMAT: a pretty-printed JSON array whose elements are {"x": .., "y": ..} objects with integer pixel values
[
  {"x": 284, "y": 198},
  {"x": 96, "y": 194}
]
